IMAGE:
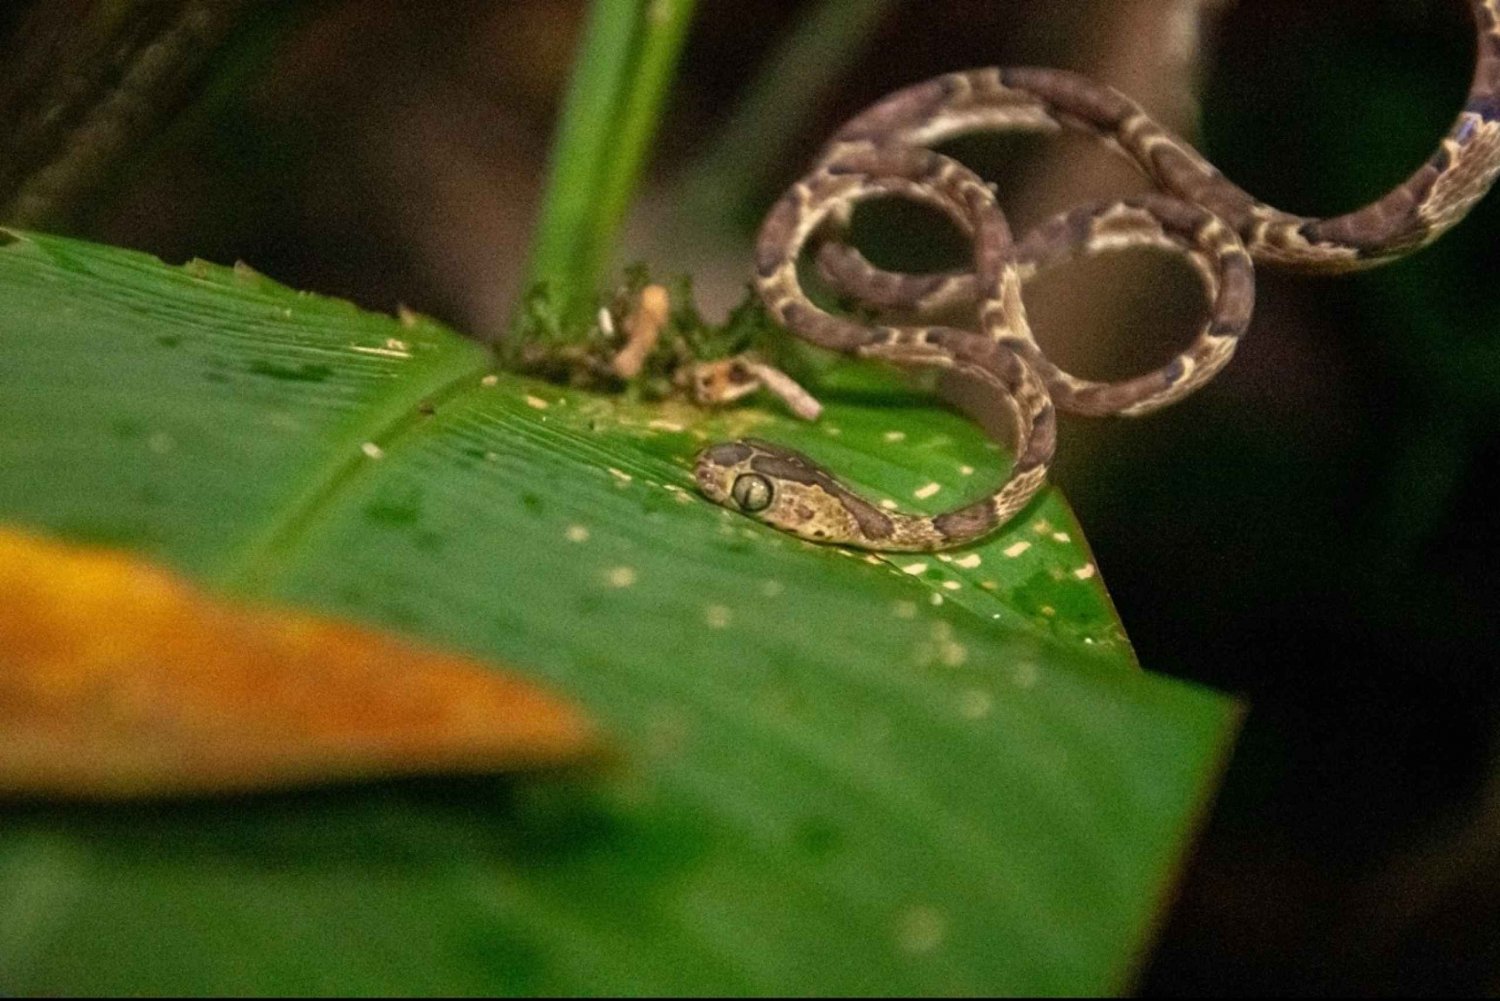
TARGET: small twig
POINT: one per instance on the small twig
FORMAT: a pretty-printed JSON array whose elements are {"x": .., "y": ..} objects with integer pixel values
[
  {"x": 642, "y": 331},
  {"x": 802, "y": 403},
  {"x": 727, "y": 380}
]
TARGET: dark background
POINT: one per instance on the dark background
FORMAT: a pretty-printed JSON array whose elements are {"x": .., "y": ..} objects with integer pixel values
[{"x": 1311, "y": 532}]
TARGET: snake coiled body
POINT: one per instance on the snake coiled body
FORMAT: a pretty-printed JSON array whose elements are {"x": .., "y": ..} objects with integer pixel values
[{"x": 885, "y": 151}]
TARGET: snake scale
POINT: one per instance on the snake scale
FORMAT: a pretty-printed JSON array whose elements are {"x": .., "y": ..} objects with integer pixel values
[{"x": 886, "y": 151}]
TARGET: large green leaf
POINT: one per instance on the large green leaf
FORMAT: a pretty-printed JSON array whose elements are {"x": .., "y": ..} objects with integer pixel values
[{"x": 836, "y": 772}]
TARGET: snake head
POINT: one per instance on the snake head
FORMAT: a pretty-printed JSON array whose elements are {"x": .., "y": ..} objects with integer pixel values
[{"x": 787, "y": 490}]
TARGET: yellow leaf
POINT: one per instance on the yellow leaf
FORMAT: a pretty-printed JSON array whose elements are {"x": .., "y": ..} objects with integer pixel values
[{"x": 119, "y": 679}]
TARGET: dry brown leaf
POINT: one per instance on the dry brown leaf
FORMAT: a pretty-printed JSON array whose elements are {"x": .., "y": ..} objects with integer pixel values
[{"x": 119, "y": 679}]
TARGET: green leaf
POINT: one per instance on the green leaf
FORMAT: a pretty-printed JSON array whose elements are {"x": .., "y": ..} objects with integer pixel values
[{"x": 839, "y": 773}]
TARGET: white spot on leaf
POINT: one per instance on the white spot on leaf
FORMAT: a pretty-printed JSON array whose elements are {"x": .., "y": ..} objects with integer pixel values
[
  {"x": 920, "y": 930},
  {"x": 975, "y": 704}
]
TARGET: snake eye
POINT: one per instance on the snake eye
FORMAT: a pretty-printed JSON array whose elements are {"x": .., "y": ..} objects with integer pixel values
[{"x": 751, "y": 492}]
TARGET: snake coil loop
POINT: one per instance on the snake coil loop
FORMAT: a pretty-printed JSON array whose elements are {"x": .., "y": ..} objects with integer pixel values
[{"x": 885, "y": 152}]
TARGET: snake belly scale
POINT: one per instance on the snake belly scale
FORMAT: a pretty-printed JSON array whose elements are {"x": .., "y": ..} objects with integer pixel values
[{"x": 885, "y": 152}]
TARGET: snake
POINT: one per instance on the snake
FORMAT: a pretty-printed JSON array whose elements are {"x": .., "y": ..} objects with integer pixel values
[{"x": 1223, "y": 232}]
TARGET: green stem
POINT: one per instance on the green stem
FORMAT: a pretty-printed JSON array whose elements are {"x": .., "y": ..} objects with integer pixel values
[
  {"x": 793, "y": 84},
  {"x": 621, "y": 74},
  {"x": 664, "y": 32}
]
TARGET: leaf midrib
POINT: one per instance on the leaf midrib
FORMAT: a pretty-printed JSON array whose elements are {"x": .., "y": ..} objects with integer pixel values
[{"x": 254, "y": 567}]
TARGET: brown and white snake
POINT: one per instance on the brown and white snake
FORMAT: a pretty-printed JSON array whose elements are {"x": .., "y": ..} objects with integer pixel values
[{"x": 886, "y": 151}]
